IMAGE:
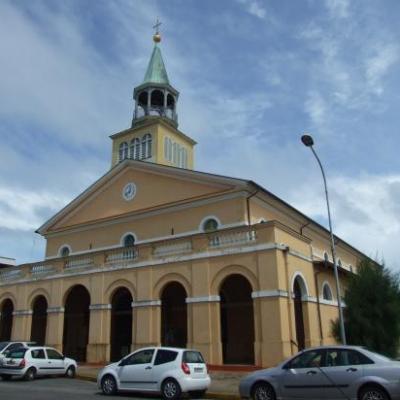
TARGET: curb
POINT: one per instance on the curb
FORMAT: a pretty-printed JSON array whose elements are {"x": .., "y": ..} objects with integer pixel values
[{"x": 209, "y": 395}]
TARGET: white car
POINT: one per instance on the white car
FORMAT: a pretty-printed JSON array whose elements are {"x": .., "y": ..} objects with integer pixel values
[
  {"x": 166, "y": 370},
  {"x": 7, "y": 347},
  {"x": 35, "y": 361}
]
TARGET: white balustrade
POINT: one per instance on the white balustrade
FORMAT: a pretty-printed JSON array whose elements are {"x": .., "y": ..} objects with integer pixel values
[
  {"x": 174, "y": 248},
  {"x": 41, "y": 269},
  {"x": 124, "y": 256},
  {"x": 223, "y": 239},
  {"x": 10, "y": 274},
  {"x": 80, "y": 262}
]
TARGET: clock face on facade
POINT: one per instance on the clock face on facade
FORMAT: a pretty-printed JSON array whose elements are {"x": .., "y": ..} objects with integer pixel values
[{"x": 129, "y": 191}]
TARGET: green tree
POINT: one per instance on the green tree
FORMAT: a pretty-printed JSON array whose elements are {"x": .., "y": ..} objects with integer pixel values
[{"x": 372, "y": 312}]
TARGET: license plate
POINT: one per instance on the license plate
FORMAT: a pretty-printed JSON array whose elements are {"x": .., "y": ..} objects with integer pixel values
[{"x": 198, "y": 370}]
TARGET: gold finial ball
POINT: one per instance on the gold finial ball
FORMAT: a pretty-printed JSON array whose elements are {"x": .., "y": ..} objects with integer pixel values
[{"x": 157, "y": 38}]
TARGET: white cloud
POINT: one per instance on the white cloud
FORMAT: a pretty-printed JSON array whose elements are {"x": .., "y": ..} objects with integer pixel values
[
  {"x": 316, "y": 108},
  {"x": 378, "y": 65},
  {"x": 254, "y": 7},
  {"x": 338, "y": 8},
  {"x": 365, "y": 211},
  {"x": 25, "y": 210}
]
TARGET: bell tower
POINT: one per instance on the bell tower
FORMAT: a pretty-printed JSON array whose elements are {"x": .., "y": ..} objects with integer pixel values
[{"x": 154, "y": 135}]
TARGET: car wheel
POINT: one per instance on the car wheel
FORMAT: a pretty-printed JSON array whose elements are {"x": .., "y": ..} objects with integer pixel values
[
  {"x": 197, "y": 394},
  {"x": 170, "y": 390},
  {"x": 70, "y": 373},
  {"x": 108, "y": 385},
  {"x": 373, "y": 393},
  {"x": 30, "y": 375},
  {"x": 5, "y": 377},
  {"x": 263, "y": 391}
]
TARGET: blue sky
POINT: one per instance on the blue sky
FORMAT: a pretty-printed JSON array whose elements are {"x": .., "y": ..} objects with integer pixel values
[{"x": 253, "y": 75}]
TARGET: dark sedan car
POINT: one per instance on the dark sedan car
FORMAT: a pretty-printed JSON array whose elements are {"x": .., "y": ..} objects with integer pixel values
[{"x": 335, "y": 372}]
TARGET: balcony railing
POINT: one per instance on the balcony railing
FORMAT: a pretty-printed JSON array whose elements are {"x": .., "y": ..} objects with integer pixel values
[
  {"x": 123, "y": 257},
  {"x": 126, "y": 257}
]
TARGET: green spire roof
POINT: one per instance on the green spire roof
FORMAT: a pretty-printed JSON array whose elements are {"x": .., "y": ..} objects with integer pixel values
[{"x": 156, "y": 72}]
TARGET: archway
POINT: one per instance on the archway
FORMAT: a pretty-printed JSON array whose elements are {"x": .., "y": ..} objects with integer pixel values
[
  {"x": 6, "y": 320},
  {"x": 173, "y": 315},
  {"x": 237, "y": 320},
  {"x": 76, "y": 323},
  {"x": 299, "y": 291},
  {"x": 39, "y": 320},
  {"x": 121, "y": 323}
]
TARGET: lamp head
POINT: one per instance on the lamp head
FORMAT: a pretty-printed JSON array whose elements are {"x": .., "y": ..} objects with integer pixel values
[{"x": 307, "y": 140}]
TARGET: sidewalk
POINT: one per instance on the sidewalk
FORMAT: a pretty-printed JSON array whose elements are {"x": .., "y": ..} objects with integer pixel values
[{"x": 224, "y": 385}]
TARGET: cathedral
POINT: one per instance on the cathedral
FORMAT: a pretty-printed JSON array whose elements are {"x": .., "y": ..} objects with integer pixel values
[{"x": 157, "y": 253}]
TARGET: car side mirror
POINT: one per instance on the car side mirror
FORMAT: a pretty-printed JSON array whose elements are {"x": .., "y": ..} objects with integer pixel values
[
  {"x": 122, "y": 363},
  {"x": 6, "y": 353}
]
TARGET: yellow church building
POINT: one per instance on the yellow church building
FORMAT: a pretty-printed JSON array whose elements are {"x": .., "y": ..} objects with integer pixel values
[{"x": 155, "y": 252}]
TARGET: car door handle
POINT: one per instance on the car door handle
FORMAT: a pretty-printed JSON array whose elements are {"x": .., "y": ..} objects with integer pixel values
[
  {"x": 148, "y": 368},
  {"x": 311, "y": 372},
  {"x": 351, "y": 369}
]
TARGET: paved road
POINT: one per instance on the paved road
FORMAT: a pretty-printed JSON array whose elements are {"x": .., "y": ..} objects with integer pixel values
[{"x": 58, "y": 389}]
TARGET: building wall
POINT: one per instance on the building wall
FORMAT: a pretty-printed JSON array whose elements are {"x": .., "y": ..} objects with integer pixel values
[
  {"x": 169, "y": 224},
  {"x": 269, "y": 268}
]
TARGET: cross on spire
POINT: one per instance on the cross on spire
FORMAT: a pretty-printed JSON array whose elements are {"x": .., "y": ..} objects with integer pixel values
[{"x": 156, "y": 26}]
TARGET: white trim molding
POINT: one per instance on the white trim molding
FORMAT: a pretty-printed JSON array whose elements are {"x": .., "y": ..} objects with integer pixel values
[
  {"x": 269, "y": 293},
  {"x": 55, "y": 310},
  {"x": 18, "y": 313},
  {"x": 100, "y": 307},
  {"x": 203, "y": 299},
  {"x": 146, "y": 303}
]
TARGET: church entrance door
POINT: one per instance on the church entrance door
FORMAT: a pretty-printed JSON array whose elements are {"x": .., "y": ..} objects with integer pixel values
[
  {"x": 121, "y": 323},
  {"x": 237, "y": 320},
  {"x": 39, "y": 320},
  {"x": 6, "y": 320},
  {"x": 174, "y": 315},
  {"x": 298, "y": 313},
  {"x": 76, "y": 323}
]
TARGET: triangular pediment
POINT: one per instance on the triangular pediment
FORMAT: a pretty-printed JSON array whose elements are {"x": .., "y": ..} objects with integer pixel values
[{"x": 154, "y": 186}]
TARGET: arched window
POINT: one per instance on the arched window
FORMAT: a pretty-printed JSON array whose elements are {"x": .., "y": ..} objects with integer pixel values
[
  {"x": 339, "y": 263},
  {"x": 326, "y": 257},
  {"x": 146, "y": 145},
  {"x": 123, "y": 151},
  {"x": 64, "y": 252},
  {"x": 327, "y": 292},
  {"x": 129, "y": 240},
  {"x": 210, "y": 225},
  {"x": 135, "y": 149}
]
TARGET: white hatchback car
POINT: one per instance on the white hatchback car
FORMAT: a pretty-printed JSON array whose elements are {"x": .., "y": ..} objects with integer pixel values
[
  {"x": 7, "y": 347},
  {"x": 30, "y": 362},
  {"x": 166, "y": 370}
]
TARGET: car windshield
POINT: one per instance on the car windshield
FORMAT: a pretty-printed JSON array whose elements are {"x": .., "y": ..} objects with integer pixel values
[
  {"x": 3, "y": 345},
  {"x": 192, "y": 357},
  {"x": 17, "y": 353}
]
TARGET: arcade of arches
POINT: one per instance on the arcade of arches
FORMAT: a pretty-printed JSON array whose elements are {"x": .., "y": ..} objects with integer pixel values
[{"x": 232, "y": 334}]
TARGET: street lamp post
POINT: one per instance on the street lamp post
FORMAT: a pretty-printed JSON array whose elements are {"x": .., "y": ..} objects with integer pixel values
[{"x": 309, "y": 142}]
